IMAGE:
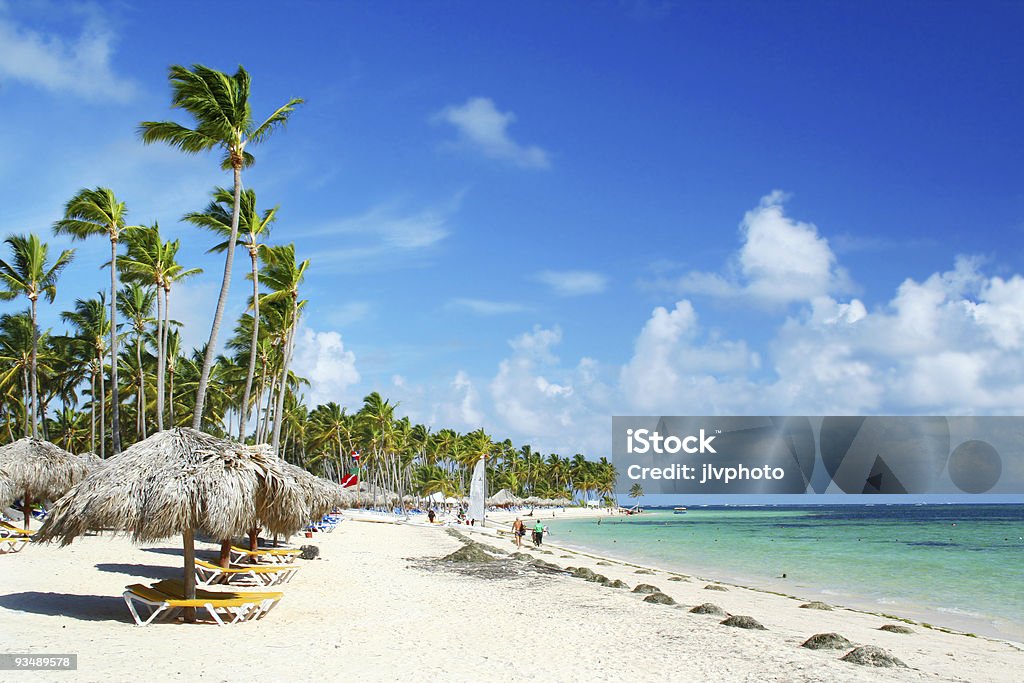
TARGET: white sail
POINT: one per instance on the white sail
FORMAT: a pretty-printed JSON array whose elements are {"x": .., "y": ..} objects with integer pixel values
[{"x": 478, "y": 492}]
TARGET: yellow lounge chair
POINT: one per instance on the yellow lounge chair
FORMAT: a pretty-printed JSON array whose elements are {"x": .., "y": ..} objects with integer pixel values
[
  {"x": 12, "y": 538},
  {"x": 209, "y": 574},
  {"x": 265, "y": 555},
  {"x": 264, "y": 600},
  {"x": 159, "y": 603}
]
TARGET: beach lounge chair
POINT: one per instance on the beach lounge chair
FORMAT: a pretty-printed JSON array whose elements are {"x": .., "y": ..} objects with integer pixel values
[
  {"x": 12, "y": 538},
  {"x": 208, "y": 574},
  {"x": 264, "y": 555},
  {"x": 235, "y": 609},
  {"x": 264, "y": 601}
]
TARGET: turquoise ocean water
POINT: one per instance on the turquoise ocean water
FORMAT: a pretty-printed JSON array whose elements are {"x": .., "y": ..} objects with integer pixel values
[{"x": 959, "y": 566}]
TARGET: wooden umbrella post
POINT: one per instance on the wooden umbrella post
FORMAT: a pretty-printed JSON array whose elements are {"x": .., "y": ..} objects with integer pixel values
[
  {"x": 190, "y": 573},
  {"x": 26, "y": 507}
]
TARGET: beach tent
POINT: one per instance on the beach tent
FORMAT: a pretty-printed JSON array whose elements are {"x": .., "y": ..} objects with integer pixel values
[
  {"x": 593, "y": 503},
  {"x": 181, "y": 481},
  {"x": 436, "y": 497},
  {"x": 451, "y": 501},
  {"x": 34, "y": 469}
]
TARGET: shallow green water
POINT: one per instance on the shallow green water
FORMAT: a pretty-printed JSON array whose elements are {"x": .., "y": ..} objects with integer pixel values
[{"x": 952, "y": 565}]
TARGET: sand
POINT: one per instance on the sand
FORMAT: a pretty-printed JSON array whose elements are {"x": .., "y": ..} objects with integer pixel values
[{"x": 377, "y": 606}]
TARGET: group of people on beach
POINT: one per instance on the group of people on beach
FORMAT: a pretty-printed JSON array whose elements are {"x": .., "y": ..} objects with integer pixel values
[{"x": 519, "y": 530}]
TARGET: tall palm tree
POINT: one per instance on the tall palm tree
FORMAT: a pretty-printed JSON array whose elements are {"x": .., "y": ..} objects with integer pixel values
[
  {"x": 151, "y": 261},
  {"x": 93, "y": 326},
  {"x": 136, "y": 304},
  {"x": 283, "y": 275},
  {"x": 17, "y": 338},
  {"x": 220, "y": 105},
  {"x": 28, "y": 273},
  {"x": 256, "y": 227},
  {"x": 97, "y": 212}
]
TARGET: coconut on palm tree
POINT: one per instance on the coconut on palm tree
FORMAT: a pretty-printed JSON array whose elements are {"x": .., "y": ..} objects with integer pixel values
[
  {"x": 28, "y": 273},
  {"x": 220, "y": 106}
]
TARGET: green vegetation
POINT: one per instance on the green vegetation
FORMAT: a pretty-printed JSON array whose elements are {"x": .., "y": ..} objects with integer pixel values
[{"x": 118, "y": 373}]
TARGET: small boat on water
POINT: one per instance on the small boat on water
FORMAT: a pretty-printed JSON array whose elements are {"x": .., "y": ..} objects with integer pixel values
[{"x": 679, "y": 511}]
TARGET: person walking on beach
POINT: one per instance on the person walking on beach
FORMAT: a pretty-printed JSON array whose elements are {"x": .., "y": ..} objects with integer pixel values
[
  {"x": 538, "y": 533},
  {"x": 518, "y": 531}
]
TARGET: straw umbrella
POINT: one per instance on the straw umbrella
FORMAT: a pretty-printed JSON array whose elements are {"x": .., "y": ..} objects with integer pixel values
[
  {"x": 179, "y": 481},
  {"x": 37, "y": 470}
]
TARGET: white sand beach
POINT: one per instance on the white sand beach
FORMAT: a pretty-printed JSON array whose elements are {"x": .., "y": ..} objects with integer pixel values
[{"x": 377, "y": 606}]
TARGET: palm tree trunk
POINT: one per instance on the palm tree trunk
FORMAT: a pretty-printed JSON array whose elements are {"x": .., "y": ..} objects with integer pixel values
[
  {"x": 279, "y": 414},
  {"x": 252, "y": 346},
  {"x": 26, "y": 396},
  {"x": 115, "y": 421},
  {"x": 170, "y": 394},
  {"x": 103, "y": 410},
  {"x": 142, "y": 385},
  {"x": 211, "y": 350},
  {"x": 92, "y": 414},
  {"x": 35, "y": 378},
  {"x": 159, "y": 358},
  {"x": 167, "y": 333}
]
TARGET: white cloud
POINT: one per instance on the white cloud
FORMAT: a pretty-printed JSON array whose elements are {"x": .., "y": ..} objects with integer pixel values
[
  {"x": 486, "y": 307},
  {"x": 482, "y": 126},
  {"x": 79, "y": 66},
  {"x": 384, "y": 235},
  {"x": 671, "y": 372},
  {"x": 781, "y": 260},
  {"x": 321, "y": 357},
  {"x": 573, "y": 282}
]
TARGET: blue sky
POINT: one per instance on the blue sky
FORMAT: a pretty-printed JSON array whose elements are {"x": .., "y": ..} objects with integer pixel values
[{"x": 533, "y": 216}]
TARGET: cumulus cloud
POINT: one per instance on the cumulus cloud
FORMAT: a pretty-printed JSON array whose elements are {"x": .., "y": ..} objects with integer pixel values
[
  {"x": 321, "y": 357},
  {"x": 781, "y": 260},
  {"x": 573, "y": 282},
  {"x": 483, "y": 127},
  {"x": 672, "y": 370},
  {"x": 79, "y": 66}
]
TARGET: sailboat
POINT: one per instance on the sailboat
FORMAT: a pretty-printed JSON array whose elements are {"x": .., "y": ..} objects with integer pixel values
[{"x": 478, "y": 493}]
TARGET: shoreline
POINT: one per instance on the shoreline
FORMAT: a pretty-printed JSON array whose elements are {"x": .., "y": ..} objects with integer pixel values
[
  {"x": 383, "y": 602},
  {"x": 925, "y": 616}
]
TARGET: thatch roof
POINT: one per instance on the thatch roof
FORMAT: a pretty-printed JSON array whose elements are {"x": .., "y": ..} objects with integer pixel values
[
  {"x": 42, "y": 469},
  {"x": 504, "y": 497},
  {"x": 319, "y": 496},
  {"x": 92, "y": 461},
  {"x": 176, "y": 481}
]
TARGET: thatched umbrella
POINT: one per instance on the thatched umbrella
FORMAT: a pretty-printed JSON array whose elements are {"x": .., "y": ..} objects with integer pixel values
[
  {"x": 179, "y": 481},
  {"x": 37, "y": 470}
]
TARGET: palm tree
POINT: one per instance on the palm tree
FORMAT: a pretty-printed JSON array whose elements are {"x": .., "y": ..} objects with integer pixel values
[
  {"x": 636, "y": 491},
  {"x": 136, "y": 304},
  {"x": 29, "y": 274},
  {"x": 283, "y": 275},
  {"x": 220, "y": 105},
  {"x": 218, "y": 219},
  {"x": 17, "y": 338},
  {"x": 90, "y": 319},
  {"x": 151, "y": 261},
  {"x": 97, "y": 212}
]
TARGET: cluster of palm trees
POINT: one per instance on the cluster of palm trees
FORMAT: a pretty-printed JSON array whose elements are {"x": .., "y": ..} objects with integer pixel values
[
  {"x": 396, "y": 455},
  {"x": 119, "y": 373}
]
